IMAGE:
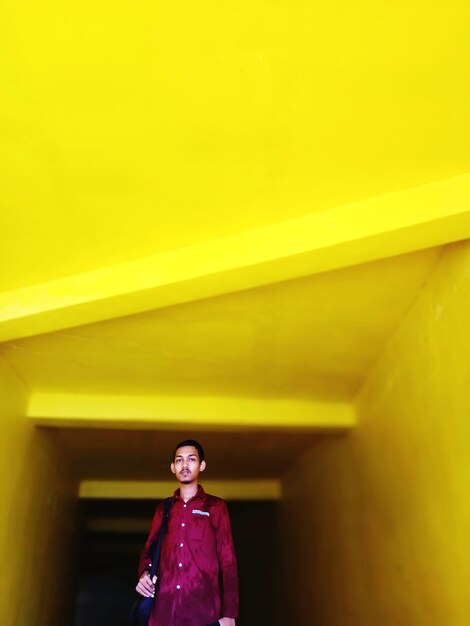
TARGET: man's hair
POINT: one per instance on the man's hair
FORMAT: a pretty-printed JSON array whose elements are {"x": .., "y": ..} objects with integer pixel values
[{"x": 191, "y": 442}]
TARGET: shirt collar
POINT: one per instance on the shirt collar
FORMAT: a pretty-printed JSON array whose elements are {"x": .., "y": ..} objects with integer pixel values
[{"x": 200, "y": 494}]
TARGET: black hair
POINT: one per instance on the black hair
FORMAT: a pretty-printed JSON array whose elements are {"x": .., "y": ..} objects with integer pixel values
[{"x": 195, "y": 444}]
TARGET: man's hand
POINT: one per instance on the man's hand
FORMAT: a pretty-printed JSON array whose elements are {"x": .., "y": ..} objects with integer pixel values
[
  {"x": 146, "y": 586},
  {"x": 227, "y": 621}
]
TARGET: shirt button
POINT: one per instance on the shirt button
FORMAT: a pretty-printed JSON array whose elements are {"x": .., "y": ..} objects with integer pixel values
[
  {"x": 180, "y": 565},
  {"x": 184, "y": 505},
  {"x": 183, "y": 524},
  {"x": 178, "y": 586},
  {"x": 181, "y": 545}
]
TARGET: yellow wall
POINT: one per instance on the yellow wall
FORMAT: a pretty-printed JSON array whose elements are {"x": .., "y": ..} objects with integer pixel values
[
  {"x": 377, "y": 523},
  {"x": 37, "y": 516}
]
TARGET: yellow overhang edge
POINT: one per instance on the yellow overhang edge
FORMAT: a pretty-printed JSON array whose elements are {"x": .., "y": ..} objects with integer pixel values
[
  {"x": 153, "y": 490},
  {"x": 180, "y": 412},
  {"x": 388, "y": 225}
]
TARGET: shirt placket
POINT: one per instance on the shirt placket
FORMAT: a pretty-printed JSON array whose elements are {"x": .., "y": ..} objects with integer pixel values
[{"x": 182, "y": 545}]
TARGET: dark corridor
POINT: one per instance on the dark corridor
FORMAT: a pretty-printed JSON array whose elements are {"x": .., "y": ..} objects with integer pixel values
[{"x": 114, "y": 532}]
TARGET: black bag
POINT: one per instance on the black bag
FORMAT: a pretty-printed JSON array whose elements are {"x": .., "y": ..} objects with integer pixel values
[{"x": 139, "y": 614}]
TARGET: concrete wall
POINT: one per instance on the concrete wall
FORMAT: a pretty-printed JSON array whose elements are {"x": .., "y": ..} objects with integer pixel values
[
  {"x": 377, "y": 524},
  {"x": 37, "y": 516}
]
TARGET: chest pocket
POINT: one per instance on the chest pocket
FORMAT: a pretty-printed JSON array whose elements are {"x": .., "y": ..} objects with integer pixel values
[{"x": 200, "y": 528}]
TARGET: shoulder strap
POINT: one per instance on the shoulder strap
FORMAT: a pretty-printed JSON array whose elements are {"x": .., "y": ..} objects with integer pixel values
[{"x": 156, "y": 555}]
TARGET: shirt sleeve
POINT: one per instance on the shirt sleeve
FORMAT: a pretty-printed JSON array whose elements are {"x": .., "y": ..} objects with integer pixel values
[
  {"x": 145, "y": 561},
  {"x": 227, "y": 562}
]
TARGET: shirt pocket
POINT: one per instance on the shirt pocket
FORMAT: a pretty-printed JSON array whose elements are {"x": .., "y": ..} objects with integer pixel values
[{"x": 199, "y": 527}]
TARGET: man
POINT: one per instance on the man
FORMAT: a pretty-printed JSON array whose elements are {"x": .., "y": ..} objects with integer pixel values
[{"x": 198, "y": 581}]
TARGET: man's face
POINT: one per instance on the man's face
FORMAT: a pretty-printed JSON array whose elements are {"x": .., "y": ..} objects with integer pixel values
[{"x": 186, "y": 465}]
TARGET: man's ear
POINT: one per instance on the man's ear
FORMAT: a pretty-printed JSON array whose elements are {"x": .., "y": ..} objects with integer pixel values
[
  {"x": 202, "y": 467},
  {"x": 173, "y": 468}
]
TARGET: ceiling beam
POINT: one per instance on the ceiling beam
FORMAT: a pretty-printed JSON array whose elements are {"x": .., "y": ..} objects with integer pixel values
[
  {"x": 379, "y": 227},
  {"x": 178, "y": 413},
  {"x": 154, "y": 490}
]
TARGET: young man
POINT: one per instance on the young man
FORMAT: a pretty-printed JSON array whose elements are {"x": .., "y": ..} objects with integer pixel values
[{"x": 198, "y": 581}]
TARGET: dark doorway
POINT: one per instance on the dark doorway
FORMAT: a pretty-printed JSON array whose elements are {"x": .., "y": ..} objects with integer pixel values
[{"x": 114, "y": 532}]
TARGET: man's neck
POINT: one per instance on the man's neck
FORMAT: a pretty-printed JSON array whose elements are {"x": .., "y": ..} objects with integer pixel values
[{"x": 188, "y": 491}]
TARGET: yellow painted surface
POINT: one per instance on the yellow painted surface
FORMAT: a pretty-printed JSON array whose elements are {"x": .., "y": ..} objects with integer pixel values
[
  {"x": 128, "y": 129},
  {"x": 295, "y": 138},
  {"x": 312, "y": 338},
  {"x": 151, "y": 490},
  {"x": 389, "y": 225},
  {"x": 377, "y": 523},
  {"x": 180, "y": 413},
  {"x": 37, "y": 516}
]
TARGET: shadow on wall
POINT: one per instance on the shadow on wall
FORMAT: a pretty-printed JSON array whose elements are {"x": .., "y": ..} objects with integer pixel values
[{"x": 108, "y": 565}]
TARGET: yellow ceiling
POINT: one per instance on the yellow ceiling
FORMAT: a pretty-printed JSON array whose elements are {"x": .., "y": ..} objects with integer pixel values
[
  {"x": 134, "y": 455},
  {"x": 132, "y": 128},
  {"x": 312, "y": 337}
]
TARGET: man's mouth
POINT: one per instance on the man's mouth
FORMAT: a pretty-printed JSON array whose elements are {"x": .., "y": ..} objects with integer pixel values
[{"x": 185, "y": 472}]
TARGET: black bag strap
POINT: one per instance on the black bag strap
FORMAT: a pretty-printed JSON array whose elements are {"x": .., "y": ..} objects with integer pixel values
[{"x": 158, "y": 548}]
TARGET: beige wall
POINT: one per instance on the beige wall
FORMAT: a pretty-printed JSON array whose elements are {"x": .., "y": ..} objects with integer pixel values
[
  {"x": 37, "y": 517},
  {"x": 377, "y": 524}
]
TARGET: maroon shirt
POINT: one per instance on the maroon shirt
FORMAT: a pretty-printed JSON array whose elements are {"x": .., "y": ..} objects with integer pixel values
[{"x": 197, "y": 569}]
